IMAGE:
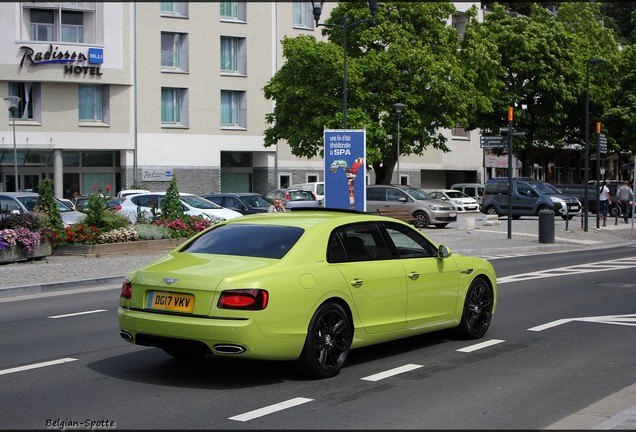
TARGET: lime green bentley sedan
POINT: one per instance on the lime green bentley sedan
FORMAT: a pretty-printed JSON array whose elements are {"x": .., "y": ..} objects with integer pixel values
[{"x": 304, "y": 286}]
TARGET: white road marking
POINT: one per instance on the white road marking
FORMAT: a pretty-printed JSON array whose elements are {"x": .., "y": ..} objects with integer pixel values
[
  {"x": 481, "y": 345},
  {"x": 392, "y": 372},
  {"x": 626, "y": 320},
  {"x": 36, "y": 365},
  {"x": 270, "y": 409},
  {"x": 77, "y": 313},
  {"x": 618, "y": 264}
]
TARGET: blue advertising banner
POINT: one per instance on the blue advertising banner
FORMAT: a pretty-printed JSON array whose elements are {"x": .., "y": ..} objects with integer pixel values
[{"x": 345, "y": 169}]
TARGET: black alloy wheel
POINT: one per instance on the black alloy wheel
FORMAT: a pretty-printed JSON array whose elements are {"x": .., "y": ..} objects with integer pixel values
[{"x": 328, "y": 342}]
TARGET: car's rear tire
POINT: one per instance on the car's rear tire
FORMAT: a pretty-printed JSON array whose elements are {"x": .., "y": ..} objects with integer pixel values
[
  {"x": 421, "y": 219},
  {"x": 477, "y": 311},
  {"x": 328, "y": 342}
]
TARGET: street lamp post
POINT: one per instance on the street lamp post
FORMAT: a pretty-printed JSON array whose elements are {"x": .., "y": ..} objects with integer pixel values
[
  {"x": 317, "y": 10},
  {"x": 398, "y": 114},
  {"x": 13, "y": 102},
  {"x": 587, "y": 137}
]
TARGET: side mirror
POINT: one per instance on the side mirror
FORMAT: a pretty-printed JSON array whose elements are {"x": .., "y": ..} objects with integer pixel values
[{"x": 443, "y": 252}]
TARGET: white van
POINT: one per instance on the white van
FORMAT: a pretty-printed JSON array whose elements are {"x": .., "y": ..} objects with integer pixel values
[
  {"x": 318, "y": 188},
  {"x": 473, "y": 190}
]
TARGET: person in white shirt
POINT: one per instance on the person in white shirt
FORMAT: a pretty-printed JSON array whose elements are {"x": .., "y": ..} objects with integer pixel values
[{"x": 605, "y": 202}]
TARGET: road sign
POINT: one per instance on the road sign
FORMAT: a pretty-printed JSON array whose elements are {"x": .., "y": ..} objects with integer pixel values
[
  {"x": 602, "y": 141},
  {"x": 488, "y": 142}
]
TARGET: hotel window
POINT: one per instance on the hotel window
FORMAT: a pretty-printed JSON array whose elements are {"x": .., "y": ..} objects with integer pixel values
[
  {"x": 233, "y": 57},
  {"x": 94, "y": 103},
  {"x": 176, "y": 9},
  {"x": 303, "y": 15},
  {"x": 174, "y": 107},
  {"x": 174, "y": 51},
  {"x": 233, "y": 11},
  {"x": 459, "y": 131},
  {"x": 30, "y": 100},
  {"x": 74, "y": 22},
  {"x": 233, "y": 109}
]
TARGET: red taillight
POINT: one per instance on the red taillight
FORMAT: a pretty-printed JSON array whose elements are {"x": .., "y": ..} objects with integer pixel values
[
  {"x": 249, "y": 299},
  {"x": 314, "y": 195},
  {"x": 118, "y": 207},
  {"x": 126, "y": 289}
]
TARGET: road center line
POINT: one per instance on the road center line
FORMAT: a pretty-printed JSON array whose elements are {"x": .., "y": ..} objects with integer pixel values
[
  {"x": 77, "y": 313},
  {"x": 270, "y": 409},
  {"x": 36, "y": 365},
  {"x": 481, "y": 345},
  {"x": 391, "y": 372}
]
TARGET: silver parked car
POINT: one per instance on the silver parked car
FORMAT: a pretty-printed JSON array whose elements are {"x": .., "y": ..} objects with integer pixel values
[
  {"x": 294, "y": 198},
  {"x": 426, "y": 210},
  {"x": 25, "y": 202}
]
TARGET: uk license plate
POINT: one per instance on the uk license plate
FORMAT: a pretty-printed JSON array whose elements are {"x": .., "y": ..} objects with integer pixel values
[
  {"x": 453, "y": 214},
  {"x": 575, "y": 208},
  {"x": 171, "y": 301}
]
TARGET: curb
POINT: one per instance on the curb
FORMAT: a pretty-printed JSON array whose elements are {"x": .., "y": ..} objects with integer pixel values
[{"x": 19, "y": 290}]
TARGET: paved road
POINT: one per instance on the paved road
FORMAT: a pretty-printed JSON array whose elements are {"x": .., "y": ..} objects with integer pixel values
[{"x": 472, "y": 234}]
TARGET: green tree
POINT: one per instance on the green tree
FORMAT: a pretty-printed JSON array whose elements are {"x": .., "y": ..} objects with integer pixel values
[
  {"x": 46, "y": 208},
  {"x": 542, "y": 68},
  {"x": 408, "y": 56},
  {"x": 172, "y": 208},
  {"x": 620, "y": 118}
]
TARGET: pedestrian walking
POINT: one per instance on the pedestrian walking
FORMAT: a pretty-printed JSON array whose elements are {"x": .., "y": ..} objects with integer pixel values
[
  {"x": 605, "y": 202},
  {"x": 625, "y": 195}
]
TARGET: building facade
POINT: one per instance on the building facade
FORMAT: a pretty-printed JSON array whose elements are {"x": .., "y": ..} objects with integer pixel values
[{"x": 130, "y": 94}]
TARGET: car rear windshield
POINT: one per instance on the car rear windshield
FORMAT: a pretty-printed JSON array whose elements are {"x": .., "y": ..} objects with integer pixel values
[{"x": 263, "y": 241}]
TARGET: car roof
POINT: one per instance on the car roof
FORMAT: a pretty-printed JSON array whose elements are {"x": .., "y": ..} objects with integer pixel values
[
  {"x": 308, "y": 218},
  {"x": 19, "y": 194}
]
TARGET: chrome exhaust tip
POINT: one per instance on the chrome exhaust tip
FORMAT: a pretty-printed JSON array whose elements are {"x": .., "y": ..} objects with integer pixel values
[
  {"x": 126, "y": 336},
  {"x": 228, "y": 349}
]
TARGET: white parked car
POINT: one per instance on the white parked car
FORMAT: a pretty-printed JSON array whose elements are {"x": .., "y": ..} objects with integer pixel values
[
  {"x": 463, "y": 202},
  {"x": 194, "y": 205},
  {"x": 124, "y": 193}
]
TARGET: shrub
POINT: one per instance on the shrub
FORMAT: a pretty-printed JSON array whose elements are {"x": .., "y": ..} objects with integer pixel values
[
  {"x": 152, "y": 231},
  {"x": 46, "y": 209},
  {"x": 26, "y": 220},
  {"x": 172, "y": 207}
]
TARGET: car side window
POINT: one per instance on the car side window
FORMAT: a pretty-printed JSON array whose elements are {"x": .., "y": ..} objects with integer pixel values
[
  {"x": 375, "y": 194},
  {"x": 357, "y": 242},
  {"x": 7, "y": 205},
  {"x": 525, "y": 189},
  {"x": 395, "y": 195},
  {"x": 408, "y": 243}
]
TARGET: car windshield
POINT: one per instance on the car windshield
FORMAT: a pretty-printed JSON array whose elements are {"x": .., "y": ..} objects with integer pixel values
[
  {"x": 255, "y": 201},
  {"x": 263, "y": 241},
  {"x": 418, "y": 193},
  {"x": 300, "y": 195},
  {"x": 456, "y": 194},
  {"x": 545, "y": 188},
  {"x": 199, "y": 202}
]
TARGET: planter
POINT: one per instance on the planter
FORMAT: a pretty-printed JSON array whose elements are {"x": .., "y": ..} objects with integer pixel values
[
  {"x": 163, "y": 245},
  {"x": 15, "y": 253}
]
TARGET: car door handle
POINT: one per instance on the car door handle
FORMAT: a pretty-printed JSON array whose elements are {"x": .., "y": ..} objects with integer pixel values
[
  {"x": 356, "y": 283},
  {"x": 414, "y": 275}
]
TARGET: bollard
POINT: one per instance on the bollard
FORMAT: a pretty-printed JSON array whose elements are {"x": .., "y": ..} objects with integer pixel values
[{"x": 546, "y": 226}]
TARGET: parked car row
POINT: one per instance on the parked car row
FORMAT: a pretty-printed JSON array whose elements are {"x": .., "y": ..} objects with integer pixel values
[{"x": 25, "y": 202}]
